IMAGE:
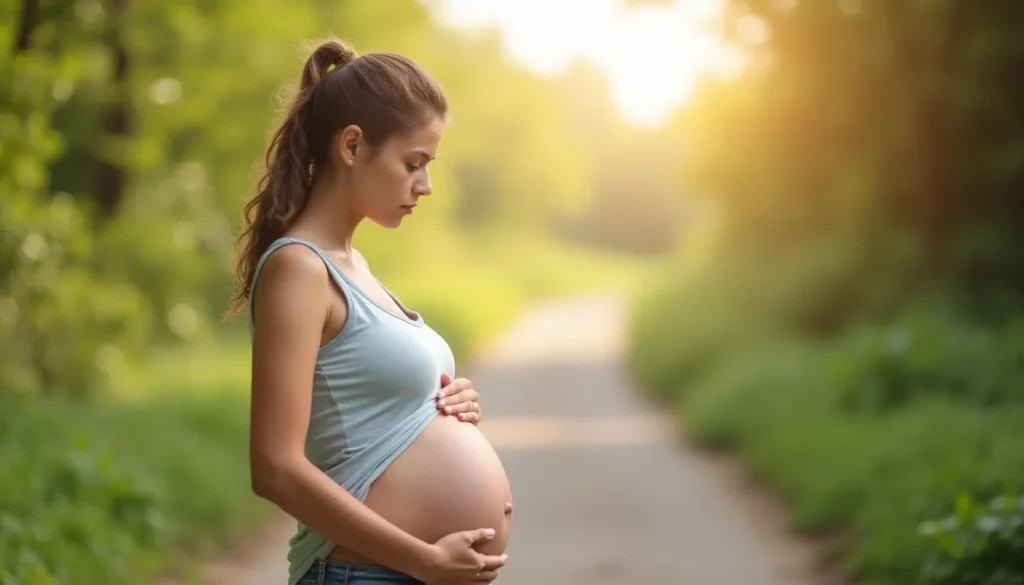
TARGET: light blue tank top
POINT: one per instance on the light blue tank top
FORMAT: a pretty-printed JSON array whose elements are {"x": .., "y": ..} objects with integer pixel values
[{"x": 374, "y": 391}]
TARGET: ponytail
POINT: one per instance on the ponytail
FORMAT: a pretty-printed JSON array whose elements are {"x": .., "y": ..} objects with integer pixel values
[{"x": 282, "y": 191}]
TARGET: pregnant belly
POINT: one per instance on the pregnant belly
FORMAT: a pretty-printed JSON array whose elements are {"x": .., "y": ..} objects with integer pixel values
[{"x": 449, "y": 480}]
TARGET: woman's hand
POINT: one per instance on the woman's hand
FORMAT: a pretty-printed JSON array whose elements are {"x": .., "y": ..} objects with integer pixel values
[
  {"x": 458, "y": 398},
  {"x": 456, "y": 562}
]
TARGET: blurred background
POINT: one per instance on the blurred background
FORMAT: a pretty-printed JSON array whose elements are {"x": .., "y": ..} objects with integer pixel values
[{"x": 810, "y": 207}]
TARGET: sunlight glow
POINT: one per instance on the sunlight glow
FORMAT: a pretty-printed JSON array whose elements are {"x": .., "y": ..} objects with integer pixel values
[{"x": 652, "y": 54}]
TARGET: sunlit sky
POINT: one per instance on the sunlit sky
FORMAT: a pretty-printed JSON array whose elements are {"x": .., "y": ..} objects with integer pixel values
[{"x": 652, "y": 54}]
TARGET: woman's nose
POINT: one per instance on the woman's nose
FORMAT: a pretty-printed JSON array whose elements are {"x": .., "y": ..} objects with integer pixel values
[{"x": 423, "y": 187}]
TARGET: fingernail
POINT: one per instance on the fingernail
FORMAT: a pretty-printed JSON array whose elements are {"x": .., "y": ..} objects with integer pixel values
[
  {"x": 447, "y": 410},
  {"x": 462, "y": 416},
  {"x": 489, "y": 531},
  {"x": 441, "y": 402}
]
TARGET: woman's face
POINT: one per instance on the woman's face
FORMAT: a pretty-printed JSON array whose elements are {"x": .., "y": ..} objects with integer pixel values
[{"x": 389, "y": 180}]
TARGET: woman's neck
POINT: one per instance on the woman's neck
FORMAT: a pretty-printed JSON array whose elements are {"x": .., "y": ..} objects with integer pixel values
[{"x": 328, "y": 215}]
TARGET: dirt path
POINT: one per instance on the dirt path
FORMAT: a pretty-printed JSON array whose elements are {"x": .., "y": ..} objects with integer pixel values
[{"x": 605, "y": 491}]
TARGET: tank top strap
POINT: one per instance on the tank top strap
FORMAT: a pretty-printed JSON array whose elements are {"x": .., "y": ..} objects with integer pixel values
[{"x": 332, "y": 268}]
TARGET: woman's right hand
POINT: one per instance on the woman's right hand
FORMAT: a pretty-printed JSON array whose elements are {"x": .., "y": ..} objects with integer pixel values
[{"x": 457, "y": 563}]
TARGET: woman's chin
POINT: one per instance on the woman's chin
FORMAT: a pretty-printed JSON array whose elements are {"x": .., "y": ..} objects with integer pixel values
[{"x": 388, "y": 222}]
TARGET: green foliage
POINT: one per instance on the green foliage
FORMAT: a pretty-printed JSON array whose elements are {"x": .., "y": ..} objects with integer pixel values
[
  {"x": 721, "y": 295},
  {"x": 977, "y": 543},
  {"x": 867, "y": 433},
  {"x": 64, "y": 326},
  {"x": 885, "y": 368},
  {"x": 75, "y": 496},
  {"x": 869, "y": 479},
  {"x": 866, "y": 430},
  {"x": 108, "y": 491}
]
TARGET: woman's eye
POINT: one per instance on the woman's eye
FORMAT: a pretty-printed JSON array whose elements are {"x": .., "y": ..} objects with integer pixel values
[{"x": 412, "y": 168}]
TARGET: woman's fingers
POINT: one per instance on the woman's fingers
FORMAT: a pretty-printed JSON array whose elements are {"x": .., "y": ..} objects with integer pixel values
[
  {"x": 451, "y": 387},
  {"x": 466, "y": 412},
  {"x": 486, "y": 576},
  {"x": 463, "y": 405},
  {"x": 465, "y": 401},
  {"x": 469, "y": 417},
  {"x": 490, "y": 564},
  {"x": 458, "y": 398}
]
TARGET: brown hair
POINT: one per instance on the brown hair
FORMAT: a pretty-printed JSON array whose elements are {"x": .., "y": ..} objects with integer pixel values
[{"x": 382, "y": 93}]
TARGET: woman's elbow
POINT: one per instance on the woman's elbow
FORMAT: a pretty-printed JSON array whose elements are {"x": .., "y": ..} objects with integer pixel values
[{"x": 271, "y": 477}]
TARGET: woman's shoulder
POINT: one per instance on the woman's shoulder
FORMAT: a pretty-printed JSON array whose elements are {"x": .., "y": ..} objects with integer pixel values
[
  {"x": 294, "y": 266},
  {"x": 292, "y": 289}
]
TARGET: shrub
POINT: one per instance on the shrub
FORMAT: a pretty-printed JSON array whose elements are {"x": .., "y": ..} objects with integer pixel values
[
  {"x": 106, "y": 491},
  {"x": 977, "y": 543},
  {"x": 871, "y": 477},
  {"x": 886, "y": 367}
]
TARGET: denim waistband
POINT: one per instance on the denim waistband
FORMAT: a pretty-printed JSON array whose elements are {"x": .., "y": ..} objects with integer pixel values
[{"x": 328, "y": 572}]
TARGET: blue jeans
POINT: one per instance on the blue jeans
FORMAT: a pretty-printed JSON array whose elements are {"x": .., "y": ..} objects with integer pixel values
[{"x": 327, "y": 572}]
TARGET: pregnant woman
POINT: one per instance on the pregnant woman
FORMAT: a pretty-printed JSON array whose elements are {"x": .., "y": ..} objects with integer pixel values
[{"x": 349, "y": 435}]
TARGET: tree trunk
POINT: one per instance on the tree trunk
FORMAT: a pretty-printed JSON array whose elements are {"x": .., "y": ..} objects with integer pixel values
[
  {"x": 118, "y": 120},
  {"x": 29, "y": 20},
  {"x": 928, "y": 79},
  {"x": 937, "y": 141}
]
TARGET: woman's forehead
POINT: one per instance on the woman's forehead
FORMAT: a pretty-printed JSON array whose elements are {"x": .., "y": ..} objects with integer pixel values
[{"x": 425, "y": 138}]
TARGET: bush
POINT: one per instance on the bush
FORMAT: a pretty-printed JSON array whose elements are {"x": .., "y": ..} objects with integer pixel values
[
  {"x": 108, "y": 492},
  {"x": 887, "y": 367},
  {"x": 977, "y": 543},
  {"x": 865, "y": 435},
  {"x": 871, "y": 478},
  {"x": 718, "y": 304},
  {"x": 64, "y": 329}
]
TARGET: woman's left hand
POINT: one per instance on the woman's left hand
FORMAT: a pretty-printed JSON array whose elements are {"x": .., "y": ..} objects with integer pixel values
[{"x": 458, "y": 398}]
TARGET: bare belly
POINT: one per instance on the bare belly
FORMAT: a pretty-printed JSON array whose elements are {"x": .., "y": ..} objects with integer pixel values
[{"x": 449, "y": 480}]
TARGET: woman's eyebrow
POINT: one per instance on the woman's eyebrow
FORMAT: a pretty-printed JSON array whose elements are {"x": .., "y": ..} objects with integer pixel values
[{"x": 423, "y": 153}]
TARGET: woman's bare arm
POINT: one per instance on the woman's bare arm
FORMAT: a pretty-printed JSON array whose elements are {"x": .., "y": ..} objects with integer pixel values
[{"x": 291, "y": 307}]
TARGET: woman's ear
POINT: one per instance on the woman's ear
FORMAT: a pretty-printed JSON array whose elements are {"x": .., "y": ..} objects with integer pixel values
[{"x": 350, "y": 143}]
